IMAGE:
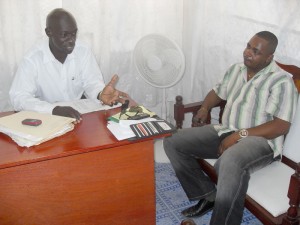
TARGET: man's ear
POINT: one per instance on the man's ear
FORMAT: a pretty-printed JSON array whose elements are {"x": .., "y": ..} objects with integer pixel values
[
  {"x": 270, "y": 58},
  {"x": 48, "y": 32}
]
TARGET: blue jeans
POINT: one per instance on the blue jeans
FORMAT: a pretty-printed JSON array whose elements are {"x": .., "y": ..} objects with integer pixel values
[{"x": 233, "y": 167}]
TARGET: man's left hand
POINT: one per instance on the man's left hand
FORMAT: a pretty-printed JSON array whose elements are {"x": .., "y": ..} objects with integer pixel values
[
  {"x": 110, "y": 95},
  {"x": 228, "y": 142}
]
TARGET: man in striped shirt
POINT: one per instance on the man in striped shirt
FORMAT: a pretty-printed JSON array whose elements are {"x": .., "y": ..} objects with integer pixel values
[{"x": 261, "y": 101}]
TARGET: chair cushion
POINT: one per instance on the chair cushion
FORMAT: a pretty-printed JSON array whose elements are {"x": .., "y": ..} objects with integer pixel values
[
  {"x": 269, "y": 187},
  {"x": 291, "y": 147}
]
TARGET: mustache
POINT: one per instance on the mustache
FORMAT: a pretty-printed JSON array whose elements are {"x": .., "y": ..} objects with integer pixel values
[{"x": 248, "y": 57}]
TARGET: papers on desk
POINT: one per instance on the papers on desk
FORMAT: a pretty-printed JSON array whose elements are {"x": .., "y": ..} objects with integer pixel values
[
  {"x": 52, "y": 126},
  {"x": 86, "y": 105},
  {"x": 122, "y": 129}
]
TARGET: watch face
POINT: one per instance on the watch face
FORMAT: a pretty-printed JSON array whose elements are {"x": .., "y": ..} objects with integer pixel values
[{"x": 243, "y": 133}]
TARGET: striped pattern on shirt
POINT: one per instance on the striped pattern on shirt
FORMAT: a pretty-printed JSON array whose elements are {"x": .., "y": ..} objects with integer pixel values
[{"x": 270, "y": 93}]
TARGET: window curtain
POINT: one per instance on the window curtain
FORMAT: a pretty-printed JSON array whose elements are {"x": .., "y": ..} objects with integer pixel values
[{"x": 211, "y": 33}]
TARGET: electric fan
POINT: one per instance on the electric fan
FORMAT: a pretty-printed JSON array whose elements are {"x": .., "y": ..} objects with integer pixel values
[{"x": 159, "y": 61}]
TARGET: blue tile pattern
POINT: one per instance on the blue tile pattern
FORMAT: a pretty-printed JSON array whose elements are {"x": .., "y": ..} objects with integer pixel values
[{"x": 171, "y": 200}]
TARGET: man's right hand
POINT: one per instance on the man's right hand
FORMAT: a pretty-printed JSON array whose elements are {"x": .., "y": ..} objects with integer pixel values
[
  {"x": 200, "y": 118},
  {"x": 211, "y": 100},
  {"x": 67, "y": 111}
]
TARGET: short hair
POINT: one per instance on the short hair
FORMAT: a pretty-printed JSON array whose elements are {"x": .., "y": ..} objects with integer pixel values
[
  {"x": 56, "y": 14},
  {"x": 270, "y": 38}
]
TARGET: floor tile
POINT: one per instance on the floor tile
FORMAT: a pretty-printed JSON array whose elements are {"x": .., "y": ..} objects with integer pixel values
[{"x": 171, "y": 200}]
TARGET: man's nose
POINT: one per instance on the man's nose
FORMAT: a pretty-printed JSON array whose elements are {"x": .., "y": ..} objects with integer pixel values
[
  {"x": 71, "y": 37},
  {"x": 248, "y": 52}
]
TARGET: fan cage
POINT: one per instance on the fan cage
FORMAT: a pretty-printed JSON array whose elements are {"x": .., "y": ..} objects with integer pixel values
[{"x": 159, "y": 60}]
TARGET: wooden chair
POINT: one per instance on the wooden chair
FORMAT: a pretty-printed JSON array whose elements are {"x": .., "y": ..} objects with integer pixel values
[{"x": 291, "y": 217}]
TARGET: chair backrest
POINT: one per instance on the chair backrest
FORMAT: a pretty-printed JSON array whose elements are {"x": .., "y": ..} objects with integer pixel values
[
  {"x": 291, "y": 143},
  {"x": 294, "y": 70},
  {"x": 291, "y": 147}
]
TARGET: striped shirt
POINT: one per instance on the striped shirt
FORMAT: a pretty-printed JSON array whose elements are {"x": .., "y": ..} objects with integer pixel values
[{"x": 270, "y": 93}]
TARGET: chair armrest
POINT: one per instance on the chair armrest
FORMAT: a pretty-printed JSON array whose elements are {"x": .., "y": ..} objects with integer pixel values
[{"x": 180, "y": 109}]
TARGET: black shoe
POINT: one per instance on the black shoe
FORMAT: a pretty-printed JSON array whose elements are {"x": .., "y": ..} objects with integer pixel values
[{"x": 202, "y": 207}]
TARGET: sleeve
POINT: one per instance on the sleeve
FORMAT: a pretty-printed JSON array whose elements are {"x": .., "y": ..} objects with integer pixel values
[
  {"x": 92, "y": 78},
  {"x": 283, "y": 100},
  {"x": 24, "y": 88}
]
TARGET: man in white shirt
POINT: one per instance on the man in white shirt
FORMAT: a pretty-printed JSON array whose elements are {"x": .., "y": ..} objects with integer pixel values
[{"x": 60, "y": 70}]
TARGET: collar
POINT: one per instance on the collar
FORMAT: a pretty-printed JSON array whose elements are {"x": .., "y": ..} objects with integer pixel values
[
  {"x": 49, "y": 57},
  {"x": 271, "y": 68}
]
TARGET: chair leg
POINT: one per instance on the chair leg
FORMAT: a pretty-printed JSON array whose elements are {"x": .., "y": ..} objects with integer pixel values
[
  {"x": 294, "y": 196},
  {"x": 178, "y": 112}
]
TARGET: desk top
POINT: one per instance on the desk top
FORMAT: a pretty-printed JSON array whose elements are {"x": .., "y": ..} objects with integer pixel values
[{"x": 90, "y": 135}]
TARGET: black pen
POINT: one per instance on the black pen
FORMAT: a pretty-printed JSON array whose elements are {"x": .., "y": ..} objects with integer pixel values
[{"x": 123, "y": 108}]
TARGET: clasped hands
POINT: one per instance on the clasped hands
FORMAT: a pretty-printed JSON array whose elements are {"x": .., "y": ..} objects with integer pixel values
[{"x": 108, "y": 96}]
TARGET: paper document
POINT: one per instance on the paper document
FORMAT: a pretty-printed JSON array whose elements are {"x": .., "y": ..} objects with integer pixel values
[
  {"x": 121, "y": 133},
  {"x": 24, "y": 135},
  {"x": 87, "y": 105}
]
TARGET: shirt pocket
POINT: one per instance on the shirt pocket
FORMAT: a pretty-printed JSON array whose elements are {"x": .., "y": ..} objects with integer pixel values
[{"x": 76, "y": 85}]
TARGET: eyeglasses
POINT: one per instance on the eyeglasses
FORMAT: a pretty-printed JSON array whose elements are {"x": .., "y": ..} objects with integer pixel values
[
  {"x": 133, "y": 111},
  {"x": 137, "y": 109}
]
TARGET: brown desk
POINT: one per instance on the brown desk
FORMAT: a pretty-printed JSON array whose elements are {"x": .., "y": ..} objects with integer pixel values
[{"x": 84, "y": 177}]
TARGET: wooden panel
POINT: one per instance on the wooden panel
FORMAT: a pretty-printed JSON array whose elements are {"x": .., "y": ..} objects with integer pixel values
[{"x": 111, "y": 186}]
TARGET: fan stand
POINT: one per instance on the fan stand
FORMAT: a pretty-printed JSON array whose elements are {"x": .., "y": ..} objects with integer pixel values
[{"x": 164, "y": 106}]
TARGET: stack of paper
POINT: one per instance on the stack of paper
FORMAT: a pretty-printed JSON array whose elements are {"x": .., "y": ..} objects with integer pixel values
[{"x": 24, "y": 135}]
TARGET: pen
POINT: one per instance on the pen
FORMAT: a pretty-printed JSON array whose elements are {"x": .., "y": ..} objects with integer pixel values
[
  {"x": 136, "y": 131},
  {"x": 150, "y": 131},
  {"x": 152, "y": 127},
  {"x": 142, "y": 129},
  {"x": 123, "y": 108}
]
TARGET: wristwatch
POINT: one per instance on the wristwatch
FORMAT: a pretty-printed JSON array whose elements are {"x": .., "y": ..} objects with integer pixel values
[{"x": 243, "y": 133}]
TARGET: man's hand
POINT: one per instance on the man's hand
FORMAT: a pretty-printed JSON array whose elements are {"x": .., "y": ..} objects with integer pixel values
[
  {"x": 67, "y": 111},
  {"x": 269, "y": 130},
  {"x": 200, "y": 118},
  {"x": 228, "y": 142},
  {"x": 110, "y": 95}
]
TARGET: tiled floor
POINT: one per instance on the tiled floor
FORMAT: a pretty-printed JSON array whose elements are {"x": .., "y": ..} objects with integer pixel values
[{"x": 171, "y": 200}]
